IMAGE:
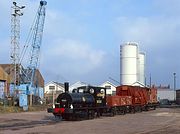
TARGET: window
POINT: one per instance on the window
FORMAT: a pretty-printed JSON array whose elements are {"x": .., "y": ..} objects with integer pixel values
[
  {"x": 51, "y": 87},
  {"x": 113, "y": 92},
  {"x": 108, "y": 87}
]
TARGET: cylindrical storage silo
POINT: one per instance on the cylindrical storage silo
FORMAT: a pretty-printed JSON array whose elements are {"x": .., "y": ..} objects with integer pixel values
[
  {"x": 141, "y": 68},
  {"x": 128, "y": 61}
]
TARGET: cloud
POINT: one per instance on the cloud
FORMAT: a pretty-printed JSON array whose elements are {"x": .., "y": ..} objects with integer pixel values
[
  {"x": 5, "y": 51},
  {"x": 71, "y": 56},
  {"x": 149, "y": 31},
  {"x": 64, "y": 25},
  {"x": 167, "y": 7}
]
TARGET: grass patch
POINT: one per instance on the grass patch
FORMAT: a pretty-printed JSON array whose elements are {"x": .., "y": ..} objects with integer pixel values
[
  {"x": 14, "y": 109},
  {"x": 10, "y": 109}
]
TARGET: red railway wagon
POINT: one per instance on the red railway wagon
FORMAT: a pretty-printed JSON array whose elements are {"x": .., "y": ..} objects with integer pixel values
[
  {"x": 153, "y": 102},
  {"x": 116, "y": 100},
  {"x": 153, "y": 95},
  {"x": 141, "y": 96},
  {"x": 119, "y": 104}
]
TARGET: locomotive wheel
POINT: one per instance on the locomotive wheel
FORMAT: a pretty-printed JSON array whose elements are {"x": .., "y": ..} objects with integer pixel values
[
  {"x": 68, "y": 117},
  {"x": 58, "y": 118},
  {"x": 91, "y": 114}
]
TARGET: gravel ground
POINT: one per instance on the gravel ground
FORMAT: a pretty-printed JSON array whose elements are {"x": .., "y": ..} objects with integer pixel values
[{"x": 162, "y": 120}]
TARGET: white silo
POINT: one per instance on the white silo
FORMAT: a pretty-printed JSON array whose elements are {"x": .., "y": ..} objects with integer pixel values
[
  {"x": 141, "y": 68},
  {"x": 128, "y": 63}
]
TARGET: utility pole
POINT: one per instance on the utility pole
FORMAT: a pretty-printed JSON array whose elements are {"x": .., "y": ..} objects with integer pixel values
[
  {"x": 150, "y": 81},
  {"x": 15, "y": 37},
  {"x": 174, "y": 86}
]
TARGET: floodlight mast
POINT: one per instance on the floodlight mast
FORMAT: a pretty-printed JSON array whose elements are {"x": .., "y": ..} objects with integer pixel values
[{"x": 15, "y": 37}]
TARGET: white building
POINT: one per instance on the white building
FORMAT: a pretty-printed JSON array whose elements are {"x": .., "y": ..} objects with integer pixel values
[
  {"x": 166, "y": 94},
  {"x": 53, "y": 87},
  {"x": 110, "y": 88},
  {"x": 76, "y": 85}
]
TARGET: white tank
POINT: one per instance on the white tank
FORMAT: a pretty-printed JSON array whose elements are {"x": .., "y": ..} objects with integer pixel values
[
  {"x": 128, "y": 63},
  {"x": 141, "y": 68}
]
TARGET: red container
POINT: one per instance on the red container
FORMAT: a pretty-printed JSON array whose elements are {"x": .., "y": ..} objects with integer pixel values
[{"x": 140, "y": 95}]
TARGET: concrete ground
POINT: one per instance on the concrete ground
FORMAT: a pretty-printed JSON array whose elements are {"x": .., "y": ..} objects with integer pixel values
[{"x": 162, "y": 120}]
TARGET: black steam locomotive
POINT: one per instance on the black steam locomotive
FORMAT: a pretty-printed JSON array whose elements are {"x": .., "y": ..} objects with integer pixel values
[{"x": 83, "y": 103}]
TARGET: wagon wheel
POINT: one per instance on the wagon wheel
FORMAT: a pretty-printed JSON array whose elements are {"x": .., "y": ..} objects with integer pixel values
[
  {"x": 113, "y": 112},
  {"x": 133, "y": 110}
]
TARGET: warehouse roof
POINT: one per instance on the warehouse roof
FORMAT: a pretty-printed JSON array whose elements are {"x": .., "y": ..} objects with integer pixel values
[{"x": 39, "y": 80}]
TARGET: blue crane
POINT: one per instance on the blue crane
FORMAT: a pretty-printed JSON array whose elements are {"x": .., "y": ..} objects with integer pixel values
[{"x": 34, "y": 40}]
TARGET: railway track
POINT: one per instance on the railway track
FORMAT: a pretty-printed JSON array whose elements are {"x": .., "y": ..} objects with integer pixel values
[{"x": 21, "y": 124}]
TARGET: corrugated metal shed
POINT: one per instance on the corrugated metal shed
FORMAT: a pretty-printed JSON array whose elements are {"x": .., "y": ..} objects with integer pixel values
[
  {"x": 2, "y": 86},
  {"x": 41, "y": 93},
  {"x": 4, "y": 83}
]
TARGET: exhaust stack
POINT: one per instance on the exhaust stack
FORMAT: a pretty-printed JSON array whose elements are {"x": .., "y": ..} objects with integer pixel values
[{"x": 66, "y": 87}]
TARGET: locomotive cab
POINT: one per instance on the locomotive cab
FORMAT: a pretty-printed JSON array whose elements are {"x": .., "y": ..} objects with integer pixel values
[{"x": 99, "y": 94}]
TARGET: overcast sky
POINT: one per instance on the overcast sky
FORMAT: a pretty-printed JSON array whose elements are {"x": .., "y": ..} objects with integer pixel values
[{"x": 82, "y": 38}]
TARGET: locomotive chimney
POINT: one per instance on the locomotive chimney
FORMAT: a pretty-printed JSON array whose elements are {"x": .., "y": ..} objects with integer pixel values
[{"x": 66, "y": 87}]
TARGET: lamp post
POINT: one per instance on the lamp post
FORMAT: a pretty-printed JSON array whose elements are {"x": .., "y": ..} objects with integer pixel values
[{"x": 174, "y": 85}]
